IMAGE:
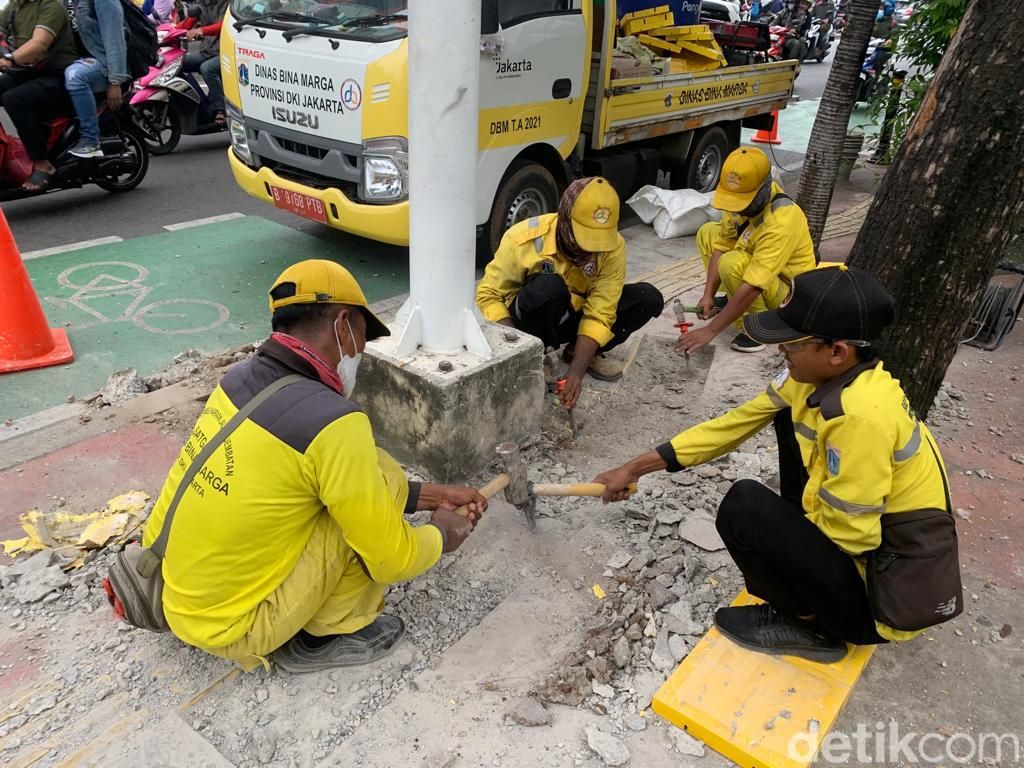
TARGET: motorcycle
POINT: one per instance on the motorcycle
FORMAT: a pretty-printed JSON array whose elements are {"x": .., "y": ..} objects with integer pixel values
[
  {"x": 818, "y": 40},
  {"x": 172, "y": 103},
  {"x": 778, "y": 35},
  {"x": 873, "y": 74},
  {"x": 122, "y": 167}
]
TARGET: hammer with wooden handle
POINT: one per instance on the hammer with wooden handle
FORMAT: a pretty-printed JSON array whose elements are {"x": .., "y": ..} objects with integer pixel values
[{"x": 522, "y": 494}]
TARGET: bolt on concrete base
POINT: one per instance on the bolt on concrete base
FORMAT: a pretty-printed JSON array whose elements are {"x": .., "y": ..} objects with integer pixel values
[{"x": 444, "y": 413}]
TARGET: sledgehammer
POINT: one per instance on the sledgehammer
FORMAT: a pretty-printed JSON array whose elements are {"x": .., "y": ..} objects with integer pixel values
[{"x": 521, "y": 493}]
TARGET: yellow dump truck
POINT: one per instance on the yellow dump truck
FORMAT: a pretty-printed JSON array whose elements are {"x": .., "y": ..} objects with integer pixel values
[{"x": 318, "y": 109}]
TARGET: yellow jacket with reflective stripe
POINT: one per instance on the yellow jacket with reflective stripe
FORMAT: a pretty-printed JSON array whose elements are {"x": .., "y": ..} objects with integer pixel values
[
  {"x": 864, "y": 450},
  {"x": 529, "y": 248},
  {"x": 777, "y": 239},
  {"x": 246, "y": 517}
]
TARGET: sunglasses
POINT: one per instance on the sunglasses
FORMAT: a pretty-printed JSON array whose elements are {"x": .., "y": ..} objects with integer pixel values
[{"x": 798, "y": 344}]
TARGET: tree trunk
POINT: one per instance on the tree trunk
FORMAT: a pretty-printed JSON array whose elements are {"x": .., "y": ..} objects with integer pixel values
[
  {"x": 821, "y": 163},
  {"x": 952, "y": 199}
]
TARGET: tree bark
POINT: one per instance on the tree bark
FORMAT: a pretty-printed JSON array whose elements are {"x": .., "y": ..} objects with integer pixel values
[
  {"x": 952, "y": 199},
  {"x": 821, "y": 163}
]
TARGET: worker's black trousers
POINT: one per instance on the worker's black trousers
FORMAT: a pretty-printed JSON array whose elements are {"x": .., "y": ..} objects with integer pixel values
[
  {"x": 785, "y": 558},
  {"x": 543, "y": 308}
]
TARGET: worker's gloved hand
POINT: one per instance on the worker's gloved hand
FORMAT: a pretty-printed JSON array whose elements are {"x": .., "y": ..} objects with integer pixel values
[
  {"x": 454, "y": 527},
  {"x": 455, "y": 496},
  {"x": 617, "y": 483}
]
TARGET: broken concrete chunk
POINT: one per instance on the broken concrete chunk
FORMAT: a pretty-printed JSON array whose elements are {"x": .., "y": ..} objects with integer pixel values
[
  {"x": 700, "y": 529},
  {"x": 659, "y": 594},
  {"x": 35, "y": 585},
  {"x": 123, "y": 385},
  {"x": 678, "y": 646},
  {"x": 40, "y": 704},
  {"x": 679, "y": 620},
  {"x": 570, "y": 686},
  {"x": 686, "y": 744},
  {"x": 610, "y": 749},
  {"x": 530, "y": 713},
  {"x": 669, "y": 516},
  {"x": 646, "y": 683},
  {"x": 603, "y": 690},
  {"x": 621, "y": 653},
  {"x": 662, "y": 657},
  {"x": 706, "y": 471},
  {"x": 619, "y": 559}
]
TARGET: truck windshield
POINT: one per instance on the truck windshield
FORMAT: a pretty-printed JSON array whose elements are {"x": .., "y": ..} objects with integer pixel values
[{"x": 374, "y": 20}]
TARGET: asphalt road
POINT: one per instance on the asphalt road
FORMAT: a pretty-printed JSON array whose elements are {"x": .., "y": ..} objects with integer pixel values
[{"x": 192, "y": 183}]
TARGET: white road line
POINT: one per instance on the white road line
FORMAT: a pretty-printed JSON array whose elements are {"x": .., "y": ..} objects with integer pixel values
[
  {"x": 27, "y": 255},
  {"x": 201, "y": 222}
]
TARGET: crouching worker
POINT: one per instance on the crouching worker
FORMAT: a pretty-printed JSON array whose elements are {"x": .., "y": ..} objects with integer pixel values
[
  {"x": 562, "y": 278},
  {"x": 860, "y": 545},
  {"x": 287, "y": 537},
  {"x": 753, "y": 254}
]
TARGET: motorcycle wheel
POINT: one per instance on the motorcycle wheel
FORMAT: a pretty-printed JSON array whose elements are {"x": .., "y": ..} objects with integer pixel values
[
  {"x": 168, "y": 130},
  {"x": 135, "y": 148}
]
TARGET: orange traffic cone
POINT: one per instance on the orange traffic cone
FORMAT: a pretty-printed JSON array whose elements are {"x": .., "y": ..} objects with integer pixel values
[
  {"x": 769, "y": 137},
  {"x": 25, "y": 340}
]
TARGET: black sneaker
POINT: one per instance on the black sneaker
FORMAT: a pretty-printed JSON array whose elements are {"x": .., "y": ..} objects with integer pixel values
[
  {"x": 765, "y": 629},
  {"x": 743, "y": 343},
  {"x": 720, "y": 301},
  {"x": 362, "y": 647}
]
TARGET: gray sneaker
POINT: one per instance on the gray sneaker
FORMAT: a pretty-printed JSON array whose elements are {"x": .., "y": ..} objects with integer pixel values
[
  {"x": 86, "y": 148},
  {"x": 362, "y": 647}
]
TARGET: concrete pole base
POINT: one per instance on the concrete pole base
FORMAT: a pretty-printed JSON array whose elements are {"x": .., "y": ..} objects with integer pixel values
[{"x": 443, "y": 414}]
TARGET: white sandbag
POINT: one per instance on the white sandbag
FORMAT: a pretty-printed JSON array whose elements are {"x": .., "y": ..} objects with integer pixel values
[{"x": 673, "y": 212}]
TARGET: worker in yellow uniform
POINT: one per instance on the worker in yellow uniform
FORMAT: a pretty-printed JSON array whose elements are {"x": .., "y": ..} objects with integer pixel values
[
  {"x": 288, "y": 536},
  {"x": 753, "y": 254},
  {"x": 863, "y": 496},
  {"x": 562, "y": 278}
]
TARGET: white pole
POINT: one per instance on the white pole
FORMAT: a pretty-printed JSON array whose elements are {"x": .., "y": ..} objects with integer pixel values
[{"x": 444, "y": 75}]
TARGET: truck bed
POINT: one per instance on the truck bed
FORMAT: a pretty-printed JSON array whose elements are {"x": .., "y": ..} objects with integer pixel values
[{"x": 646, "y": 107}]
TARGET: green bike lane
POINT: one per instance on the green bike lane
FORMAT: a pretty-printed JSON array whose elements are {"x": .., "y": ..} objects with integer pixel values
[{"x": 138, "y": 303}]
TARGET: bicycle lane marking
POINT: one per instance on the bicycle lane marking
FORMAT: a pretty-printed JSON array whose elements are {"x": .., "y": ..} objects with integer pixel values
[
  {"x": 140, "y": 303},
  {"x": 106, "y": 285}
]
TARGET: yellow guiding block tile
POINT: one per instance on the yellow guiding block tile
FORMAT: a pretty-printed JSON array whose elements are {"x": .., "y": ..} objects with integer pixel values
[
  {"x": 759, "y": 711},
  {"x": 636, "y": 26}
]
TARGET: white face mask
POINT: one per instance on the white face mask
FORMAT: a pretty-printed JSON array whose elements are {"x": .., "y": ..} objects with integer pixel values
[{"x": 347, "y": 366}]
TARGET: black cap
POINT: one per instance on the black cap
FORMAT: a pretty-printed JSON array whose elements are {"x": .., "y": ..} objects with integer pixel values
[{"x": 835, "y": 302}]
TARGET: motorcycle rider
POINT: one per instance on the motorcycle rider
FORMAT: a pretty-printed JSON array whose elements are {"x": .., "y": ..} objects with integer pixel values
[
  {"x": 208, "y": 15},
  {"x": 39, "y": 45},
  {"x": 101, "y": 29},
  {"x": 799, "y": 23}
]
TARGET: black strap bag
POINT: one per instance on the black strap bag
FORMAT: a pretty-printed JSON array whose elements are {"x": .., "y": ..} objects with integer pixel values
[{"x": 913, "y": 577}]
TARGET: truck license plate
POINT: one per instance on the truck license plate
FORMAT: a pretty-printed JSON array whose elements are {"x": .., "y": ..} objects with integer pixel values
[{"x": 296, "y": 202}]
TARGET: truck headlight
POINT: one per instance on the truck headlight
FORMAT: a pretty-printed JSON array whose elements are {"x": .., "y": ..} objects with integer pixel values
[
  {"x": 239, "y": 138},
  {"x": 385, "y": 170}
]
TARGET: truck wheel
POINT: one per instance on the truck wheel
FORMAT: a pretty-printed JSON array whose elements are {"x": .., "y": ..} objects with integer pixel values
[
  {"x": 704, "y": 167},
  {"x": 527, "y": 190}
]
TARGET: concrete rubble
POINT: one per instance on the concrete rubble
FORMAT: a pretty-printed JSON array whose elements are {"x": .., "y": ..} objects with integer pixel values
[{"x": 657, "y": 559}]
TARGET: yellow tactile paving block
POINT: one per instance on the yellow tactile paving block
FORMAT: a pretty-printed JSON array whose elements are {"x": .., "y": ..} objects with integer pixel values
[
  {"x": 757, "y": 710},
  {"x": 634, "y": 26}
]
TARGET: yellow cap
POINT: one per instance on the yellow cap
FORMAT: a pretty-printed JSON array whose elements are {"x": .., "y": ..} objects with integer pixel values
[
  {"x": 595, "y": 217},
  {"x": 743, "y": 173},
  {"x": 318, "y": 281}
]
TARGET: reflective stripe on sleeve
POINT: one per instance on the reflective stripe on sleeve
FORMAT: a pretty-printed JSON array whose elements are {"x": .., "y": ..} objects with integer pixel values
[
  {"x": 848, "y": 506},
  {"x": 775, "y": 397},
  {"x": 911, "y": 447},
  {"x": 538, "y": 244}
]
